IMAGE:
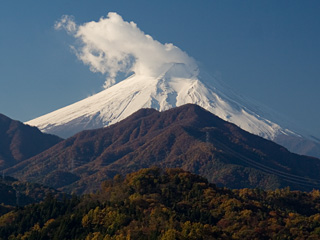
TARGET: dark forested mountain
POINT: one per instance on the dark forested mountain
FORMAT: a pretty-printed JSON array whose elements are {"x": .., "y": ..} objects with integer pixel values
[
  {"x": 187, "y": 137},
  {"x": 19, "y": 141},
  {"x": 168, "y": 204}
]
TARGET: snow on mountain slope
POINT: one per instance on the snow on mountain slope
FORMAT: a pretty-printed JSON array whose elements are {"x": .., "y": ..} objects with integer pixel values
[{"x": 176, "y": 86}]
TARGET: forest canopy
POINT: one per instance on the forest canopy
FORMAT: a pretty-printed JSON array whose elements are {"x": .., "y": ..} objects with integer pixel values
[{"x": 168, "y": 204}]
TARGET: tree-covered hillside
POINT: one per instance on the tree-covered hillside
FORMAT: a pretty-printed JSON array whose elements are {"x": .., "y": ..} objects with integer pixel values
[
  {"x": 14, "y": 193},
  {"x": 168, "y": 204}
]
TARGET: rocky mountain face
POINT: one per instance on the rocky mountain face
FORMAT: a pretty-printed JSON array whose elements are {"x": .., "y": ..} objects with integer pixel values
[
  {"x": 19, "y": 142},
  {"x": 187, "y": 137}
]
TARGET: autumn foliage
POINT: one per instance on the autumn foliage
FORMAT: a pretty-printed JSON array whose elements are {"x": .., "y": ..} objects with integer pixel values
[{"x": 168, "y": 204}]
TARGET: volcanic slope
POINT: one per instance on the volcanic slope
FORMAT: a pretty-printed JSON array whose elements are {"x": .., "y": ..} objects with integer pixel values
[
  {"x": 175, "y": 86},
  {"x": 19, "y": 142},
  {"x": 187, "y": 137}
]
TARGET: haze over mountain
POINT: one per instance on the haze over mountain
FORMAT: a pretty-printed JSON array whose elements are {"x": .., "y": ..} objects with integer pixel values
[
  {"x": 187, "y": 137},
  {"x": 162, "y": 77},
  {"x": 19, "y": 141}
]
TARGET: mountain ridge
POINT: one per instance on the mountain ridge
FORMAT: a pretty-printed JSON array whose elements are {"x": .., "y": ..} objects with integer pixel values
[
  {"x": 187, "y": 137},
  {"x": 20, "y": 142}
]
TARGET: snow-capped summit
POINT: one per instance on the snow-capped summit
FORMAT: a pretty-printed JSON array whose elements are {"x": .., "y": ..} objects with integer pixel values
[{"x": 176, "y": 86}]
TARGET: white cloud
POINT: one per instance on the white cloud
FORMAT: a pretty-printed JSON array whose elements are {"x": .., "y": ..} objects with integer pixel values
[
  {"x": 67, "y": 23},
  {"x": 112, "y": 45}
]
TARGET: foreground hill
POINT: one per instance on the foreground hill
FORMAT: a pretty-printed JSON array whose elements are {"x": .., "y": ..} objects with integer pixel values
[
  {"x": 187, "y": 137},
  {"x": 169, "y": 204},
  {"x": 19, "y": 141}
]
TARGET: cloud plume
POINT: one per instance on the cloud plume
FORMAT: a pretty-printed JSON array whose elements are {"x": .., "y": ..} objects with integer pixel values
[{"x": 112, "y": 45}]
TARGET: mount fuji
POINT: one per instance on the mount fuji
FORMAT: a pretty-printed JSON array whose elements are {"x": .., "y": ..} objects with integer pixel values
[{"x": 176, "y": 85}]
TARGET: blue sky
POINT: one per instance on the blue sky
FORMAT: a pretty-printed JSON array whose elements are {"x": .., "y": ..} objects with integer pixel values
[{"x": 266, "y": 50}]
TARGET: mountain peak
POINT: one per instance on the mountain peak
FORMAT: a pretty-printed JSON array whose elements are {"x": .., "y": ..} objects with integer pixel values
[
  {"x": 175, "y": 85},
  {"x": 180, "y": 70}
]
